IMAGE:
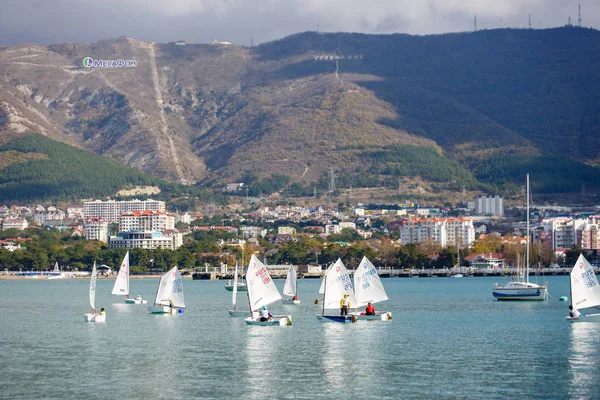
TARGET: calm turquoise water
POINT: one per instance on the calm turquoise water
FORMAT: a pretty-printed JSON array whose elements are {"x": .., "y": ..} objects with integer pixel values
[{"x": 448, "y": 339}]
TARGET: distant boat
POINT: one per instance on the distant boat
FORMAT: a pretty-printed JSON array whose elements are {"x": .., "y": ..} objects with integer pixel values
[
  {"x": 121, "y": 287},
  {"x": 369, "y": 289},
  {"x": 235, "y": 312},
  {"x": 336, "y": 283},
  {"x": 262, "y": 292},
  {"x": 456, "y": 276},
  {"x": 93, "y": 317},
  {"x": 519, "y": 289},
  {"x": 55, "y": 273},
  {"x": 585, "y": 290},
  {"x": 169, "y": 297},
  {"x": 290, "y": 288}
]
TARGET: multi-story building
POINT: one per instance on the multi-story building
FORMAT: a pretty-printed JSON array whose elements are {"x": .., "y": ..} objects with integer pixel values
[
  {"x": 445, "y": 231},
  {"x": 563, "y": 232},
  {"x": 96, "y": 229},
  {"x": 145, "y": 240},
  {"x": 147, "y": 220},
  {"x": 253, "y": 232},
  {"x": 589, "y": 238},
  {"x": 489, "y": 205},
  {"x": 14, "y": 223},
  {"x": 111, "y": 210}
]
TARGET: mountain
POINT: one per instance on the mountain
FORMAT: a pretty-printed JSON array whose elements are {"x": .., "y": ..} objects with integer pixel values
[{"x": 470, "y": 109}]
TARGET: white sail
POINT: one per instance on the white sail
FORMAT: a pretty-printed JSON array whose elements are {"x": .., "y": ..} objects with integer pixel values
[
  {"x": 170, "y": 289},
  {"x": 337, "y": 283},
  {"x": 93, "y": 287},
  {"x": 121, "y": 286},
  {"x": 235, "y": 279},
  {"x": 56, "y": 269},
  {"x": 585, "y": 291},
  {"x": 261, "y": 288},
  {"x": 289, "y": 288},
  {"x": 367, "y": 284}
]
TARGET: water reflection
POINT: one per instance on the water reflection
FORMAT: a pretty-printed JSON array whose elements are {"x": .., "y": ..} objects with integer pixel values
[
  {"x": 263, "y": 353},
  {"x": 583, "y": 359}
]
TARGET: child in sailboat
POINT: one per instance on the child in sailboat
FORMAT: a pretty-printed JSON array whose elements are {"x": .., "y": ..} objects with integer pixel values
[
  {"x": 370, "y": 310},
  {"x": 573, "y": 312},
  {"x": 102, "y": 313},
  {"x": 265, "y": 315},
  {"x": 344, "y": 305}
]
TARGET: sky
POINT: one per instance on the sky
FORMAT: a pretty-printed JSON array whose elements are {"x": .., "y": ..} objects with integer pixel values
[{"x": 243, "y": 21}]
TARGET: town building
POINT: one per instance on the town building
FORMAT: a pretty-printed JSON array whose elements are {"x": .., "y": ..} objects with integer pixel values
[
  {"x": 96, "y": 229},
  {"x": 147, "y": 220},
  {"x": 489, "y": 205},
  {"x": 111, "y": 210},
  {"x": 14, "y": 223},
  {"x": 145, "y": 240},
  {"x": 445, "y": 231}
]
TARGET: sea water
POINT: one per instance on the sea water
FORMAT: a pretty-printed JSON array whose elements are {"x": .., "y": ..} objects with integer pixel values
[{"x": 448, "y": 338}]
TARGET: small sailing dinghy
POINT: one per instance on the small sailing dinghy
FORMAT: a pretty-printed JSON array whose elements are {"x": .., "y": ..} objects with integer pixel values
[
  {"x": 56, "y": 273},
  {"x": 290, "y": 288},
  {"x": 93, "y": 317},
  {"x": 121, "y": 287},
  {"x": 262, "y": 292},
  {"x": 585, "y": 290},
  {"x": 235, "y": 312},
  {"x": 169, "y": 294},
  {"x": 336, "y": 284},
  {"x": 369, "y": 289}
]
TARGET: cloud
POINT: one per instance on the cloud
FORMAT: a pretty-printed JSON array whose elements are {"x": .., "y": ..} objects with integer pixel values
[{"x": 49, "y": 21}]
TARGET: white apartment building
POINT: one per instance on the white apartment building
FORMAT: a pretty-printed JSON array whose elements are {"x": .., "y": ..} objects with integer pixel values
[
  {"x": 146, "y": 221},
  {"x": 15, "y": 223},
  {"x": 590, "y": 237},
  {"x": 489, "y": 205},
  {"x": 253, "y": 232},
  {"x": 96, "y": 229},
  {"x": 286, "y": 230},
  {"x": 145, "y": 240},
  {"x": 445, "y": 231},
  {"x": 563, "y": 232},
  {"x": 111, "y": 210}
]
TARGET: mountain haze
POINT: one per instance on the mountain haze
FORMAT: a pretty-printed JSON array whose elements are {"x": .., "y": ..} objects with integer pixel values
[{"x": 486, "y": 106}]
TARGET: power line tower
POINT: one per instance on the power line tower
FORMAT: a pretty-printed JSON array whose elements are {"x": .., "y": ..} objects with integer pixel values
[
  {"x": 475, "y": 23},
  {"x": 331, "y": 185},
  {"x": 529, "y": 21},
  {"x": 579, "y": 15}
]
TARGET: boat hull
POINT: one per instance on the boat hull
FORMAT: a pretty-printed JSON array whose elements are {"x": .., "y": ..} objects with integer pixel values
[
  {"x": 241, "y": 288},
  {"x": 585, "y": 318},
  {"x": 290, "y": 302},
  {"x": 94, "y": 318},
  {"x": 379, "y": 316},
  {"x": 163, "y": 310},
  {"x": 533, "y": 294},
  {"x": 136, "y": 301},
  {"x": 337, "y": 318},
  {"x": 277, "y": 320}
]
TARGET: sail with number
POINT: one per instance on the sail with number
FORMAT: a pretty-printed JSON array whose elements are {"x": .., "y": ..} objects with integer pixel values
[
  {"x": 585, "y": 290},
  {"x": 93, "y": 287},
  {"x": 121, "y": 286},
  {"x": 170, "y": 289},
  {"x": 261, "y": 288},
  {"x": 337, "y": 283},
  {"x": 289, "y": 288},
  {"x": 367, "y": 284}
]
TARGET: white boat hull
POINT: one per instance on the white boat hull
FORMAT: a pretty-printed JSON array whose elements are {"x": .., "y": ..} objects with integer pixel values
[
  {"x": 136, "y": 301},
  {"x": 277, "y": 320},
  {"x": 379, "y": 316},
  {"x": 520, "y": 291},
  {"x": 163, "y": 310},
  {"x": 94, "y": 318},
  {"x": 585, "y": 318},
  {"x": 237, "y": 313},
  {"x": 241, "y": 288},
  {"x": 290, "y": 302}
]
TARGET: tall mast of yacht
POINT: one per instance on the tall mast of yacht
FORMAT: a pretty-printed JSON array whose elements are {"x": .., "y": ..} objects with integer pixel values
[{"x": 527, "y": 248}]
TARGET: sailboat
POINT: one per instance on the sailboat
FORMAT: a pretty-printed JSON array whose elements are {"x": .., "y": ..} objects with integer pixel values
[
  {"x": 93, "y": 317},
  {"x": 585, "y": 290},
  {"x": 369, "y": 289},
  {"x": 262, "y": 292},
  {"x": 518, "y": 289},
  {"x": 235, "y": 312},
  {"x": 290, "y": 288},
  {"x": 336, "y": 283},
  {"x": 121, "y": 287},
  {"x": 169, "y": 294},
  {"x": 55, "y": 273}
]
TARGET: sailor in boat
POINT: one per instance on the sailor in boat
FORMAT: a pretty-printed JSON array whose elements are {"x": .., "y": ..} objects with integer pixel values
[
  {"x": 370, "y": 310},
  {"x": 171, "y": 307},
  {"x": 344, "y": 305},
  {"x": 295, "y": 298},
  {"x": 265, "y": 315},
  {"x": 573, "y": 312},
  {"x": 102, "y": 313}
]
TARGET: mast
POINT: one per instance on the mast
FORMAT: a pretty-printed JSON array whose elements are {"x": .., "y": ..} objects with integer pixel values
[{"x": 527, "y": 248}]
